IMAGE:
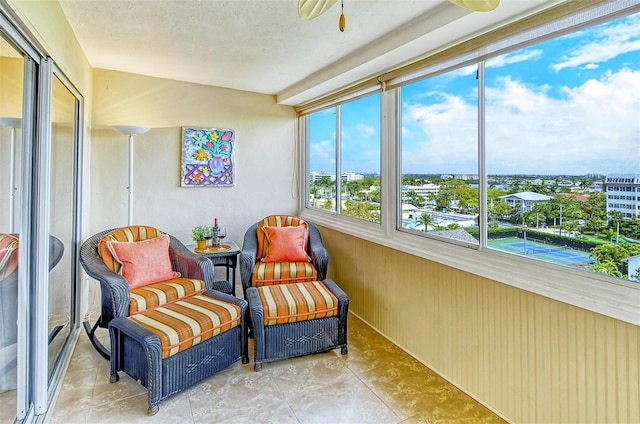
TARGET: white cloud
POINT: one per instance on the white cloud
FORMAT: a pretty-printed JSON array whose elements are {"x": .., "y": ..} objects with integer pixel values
[
  {"x": 593, "y": 128},
  {"x": 444, "y": 137},
  {"x": 609, "y": 42},
  {"x": 366, "y": 129},
  {"x": 323, "y": 155}
]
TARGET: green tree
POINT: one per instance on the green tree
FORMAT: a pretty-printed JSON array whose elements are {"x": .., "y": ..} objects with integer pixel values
[
  {"x": 611, "y": 257},
  {"x": 427, "y": 220},
  {"x": 360, "y": 210},
  {"x": 415, "y": 199}
]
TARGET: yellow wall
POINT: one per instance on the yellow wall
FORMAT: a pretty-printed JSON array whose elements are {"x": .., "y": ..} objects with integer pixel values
[
  {"x": 529, "y": 358},
  {"x": 264, "y": 152}
]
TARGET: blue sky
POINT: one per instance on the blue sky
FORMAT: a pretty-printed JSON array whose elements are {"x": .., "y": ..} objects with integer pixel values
[{"x": 570, "y": 105}]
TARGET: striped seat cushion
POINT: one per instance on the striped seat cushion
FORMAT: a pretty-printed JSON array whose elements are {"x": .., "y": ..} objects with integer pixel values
[
  {"x": 186, "y": 323},
  {"x": 8, "y": 255},
  {"x": 269, "y": 273},
  {"x": 158, "y": 294},
  {"x": 285, "y": 303}
]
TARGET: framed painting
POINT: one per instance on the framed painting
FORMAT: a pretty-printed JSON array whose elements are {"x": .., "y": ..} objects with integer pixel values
[{"x": 207, "y": 157}]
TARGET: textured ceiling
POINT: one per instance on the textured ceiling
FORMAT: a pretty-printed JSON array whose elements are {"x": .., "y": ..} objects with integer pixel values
[{"x": 263, "y": 46}]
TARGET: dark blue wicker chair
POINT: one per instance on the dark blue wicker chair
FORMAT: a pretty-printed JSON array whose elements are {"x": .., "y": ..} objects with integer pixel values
[
  {"x": 249, "y": 254},
  {"x": 115, "y": 289}
]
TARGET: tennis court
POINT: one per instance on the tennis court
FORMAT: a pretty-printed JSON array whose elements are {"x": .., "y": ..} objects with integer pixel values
[{"x": 545, "y": 252}]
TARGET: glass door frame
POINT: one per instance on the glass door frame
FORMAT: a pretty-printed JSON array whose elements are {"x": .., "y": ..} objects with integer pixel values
[{"x": 35, "y": 387}]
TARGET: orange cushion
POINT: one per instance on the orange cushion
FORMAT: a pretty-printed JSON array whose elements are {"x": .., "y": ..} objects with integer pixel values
[
  {"x": 130, "y": 234},
  {"x": 273, "y": 221},
  {"x": 8, "y": 254},
  {"x": 8, "y": 262},
  {"x": 268, "y": 273},
  {"x": 286, "y": 303},
  {"x": 143, "y": 262},
  {"x": 286, "y": 244},
  {"x": 186, "y": 323},
  {"x": 162, "y": 293}
]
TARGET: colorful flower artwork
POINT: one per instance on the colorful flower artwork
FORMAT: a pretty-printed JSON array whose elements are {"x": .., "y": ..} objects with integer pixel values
[{"x": 207, "y": 157}]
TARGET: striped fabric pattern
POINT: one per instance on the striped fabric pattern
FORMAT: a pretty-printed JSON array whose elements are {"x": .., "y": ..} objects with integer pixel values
[
  {"x": 186, "y": 323},
  {"x": 269, "y": 273},
  {"x": 129, "y": 234},
  {"x": 159, "y": 294},
  {"x": 286, "y": 303},
  {"x": 9, "y": 261},
  {"x": 274, "y": 221}
]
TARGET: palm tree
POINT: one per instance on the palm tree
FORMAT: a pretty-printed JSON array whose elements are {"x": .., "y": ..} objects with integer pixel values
[{"x": 426, "y": 220}]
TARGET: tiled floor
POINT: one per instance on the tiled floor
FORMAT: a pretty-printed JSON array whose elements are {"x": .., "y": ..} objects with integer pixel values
[{"x": 375, "y": 383}]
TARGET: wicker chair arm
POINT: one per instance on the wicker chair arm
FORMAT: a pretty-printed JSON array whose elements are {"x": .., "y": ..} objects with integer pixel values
[
  {"x": 319, "y": 255},
  {"x": 190, "y": 264},
  {"x": 248, "y": 255},
  {"x": 115, "y": 288}
]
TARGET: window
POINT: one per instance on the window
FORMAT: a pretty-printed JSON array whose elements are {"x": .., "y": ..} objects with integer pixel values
[
  {"x": 439, "y": 139},
  {"x": 344, "y": 159},
  {"x": 518, "y": 163}
]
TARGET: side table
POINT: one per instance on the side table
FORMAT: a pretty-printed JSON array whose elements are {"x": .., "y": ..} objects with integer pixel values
[{"x": 226, "y": 255}]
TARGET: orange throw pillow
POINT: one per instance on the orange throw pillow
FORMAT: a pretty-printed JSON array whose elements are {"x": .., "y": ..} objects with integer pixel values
[
  {"x": 286, "y": 244},
  {"x": 143, "y": 262}
]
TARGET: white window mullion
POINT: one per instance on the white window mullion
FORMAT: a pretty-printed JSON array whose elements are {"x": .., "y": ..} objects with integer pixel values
[
  {"x": 482, "y": 168},
  {"x": 338, "y": 159}
]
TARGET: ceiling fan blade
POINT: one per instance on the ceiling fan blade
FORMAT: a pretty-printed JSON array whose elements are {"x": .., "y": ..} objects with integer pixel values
[
  {"x": 477, "y": 5},
  {"x": 309, "y": 9}
]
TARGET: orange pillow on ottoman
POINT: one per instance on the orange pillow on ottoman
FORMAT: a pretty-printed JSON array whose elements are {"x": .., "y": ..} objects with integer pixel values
[
  {"x": 144, "y": 262},
  {"x": 286, "y": 244}
]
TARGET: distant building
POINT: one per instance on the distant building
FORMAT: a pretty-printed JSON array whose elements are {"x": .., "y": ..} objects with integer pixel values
[
  {"x": 317, "y": 175},
  {"x": 423, "y": 190},
  {"x": 633, "y": 267},
  {"x": 525, "y": 200},
  {"x": 351, "y": 176},
  {"x": 623, "y": 194}
]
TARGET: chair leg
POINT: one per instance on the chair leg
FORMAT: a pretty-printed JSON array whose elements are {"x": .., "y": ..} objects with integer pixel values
[{"x": 91, "y": 332}]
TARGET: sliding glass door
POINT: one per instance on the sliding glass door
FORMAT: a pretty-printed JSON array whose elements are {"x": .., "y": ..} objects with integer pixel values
[{"x": 40, "y": 145}]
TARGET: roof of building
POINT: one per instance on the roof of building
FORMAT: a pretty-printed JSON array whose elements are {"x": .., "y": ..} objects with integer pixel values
[{"x": 527, "y": 195}]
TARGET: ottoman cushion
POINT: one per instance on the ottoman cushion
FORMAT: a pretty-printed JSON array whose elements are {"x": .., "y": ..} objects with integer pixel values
[
  {"x": 188, "y": 322},
  {"x": 286, "y": 303}
]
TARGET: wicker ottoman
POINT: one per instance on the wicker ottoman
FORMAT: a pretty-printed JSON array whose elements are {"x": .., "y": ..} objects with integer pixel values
[
  {"x": 170, "y": 348},
  {"x": 297, "y": 319}
]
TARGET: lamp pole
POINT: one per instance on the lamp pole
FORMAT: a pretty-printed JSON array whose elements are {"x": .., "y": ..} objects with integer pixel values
[
  {"x": 12, "y": 124},
  {"x": 561, "y": 220},
  {"x": 131, "y": 131}
]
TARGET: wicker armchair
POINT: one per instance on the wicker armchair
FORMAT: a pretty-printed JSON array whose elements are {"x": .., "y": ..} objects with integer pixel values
[
  {"x": 116, "y": 292},
  {"x": 250, "y": 256}
]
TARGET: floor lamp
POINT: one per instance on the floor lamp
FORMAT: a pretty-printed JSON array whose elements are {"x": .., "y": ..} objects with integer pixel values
[
  {"x": 12, "y": 124},
  {"x": 131, "y": 131}
]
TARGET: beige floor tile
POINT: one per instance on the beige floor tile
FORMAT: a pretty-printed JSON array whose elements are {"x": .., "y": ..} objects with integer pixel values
[{"x": 376, "y": 382}]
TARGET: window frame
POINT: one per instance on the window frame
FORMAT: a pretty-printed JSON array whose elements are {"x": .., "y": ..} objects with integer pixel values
[{"x": 599, "y": 293}]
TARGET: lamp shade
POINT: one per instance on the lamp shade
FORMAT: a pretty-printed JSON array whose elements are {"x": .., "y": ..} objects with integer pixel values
[
  {"x": 130, "y": 129},
  {"x": 10, "y": 122}
]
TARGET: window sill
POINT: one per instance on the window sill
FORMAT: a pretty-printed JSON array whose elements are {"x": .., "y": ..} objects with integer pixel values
[{"x": 605, "y": 295}]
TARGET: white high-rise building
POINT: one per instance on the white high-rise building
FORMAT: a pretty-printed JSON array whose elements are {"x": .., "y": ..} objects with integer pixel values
[{"x": 623, "y": 194}]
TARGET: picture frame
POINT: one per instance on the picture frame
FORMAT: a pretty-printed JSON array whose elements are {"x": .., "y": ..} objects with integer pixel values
[{"x": 207, "y": 157}]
